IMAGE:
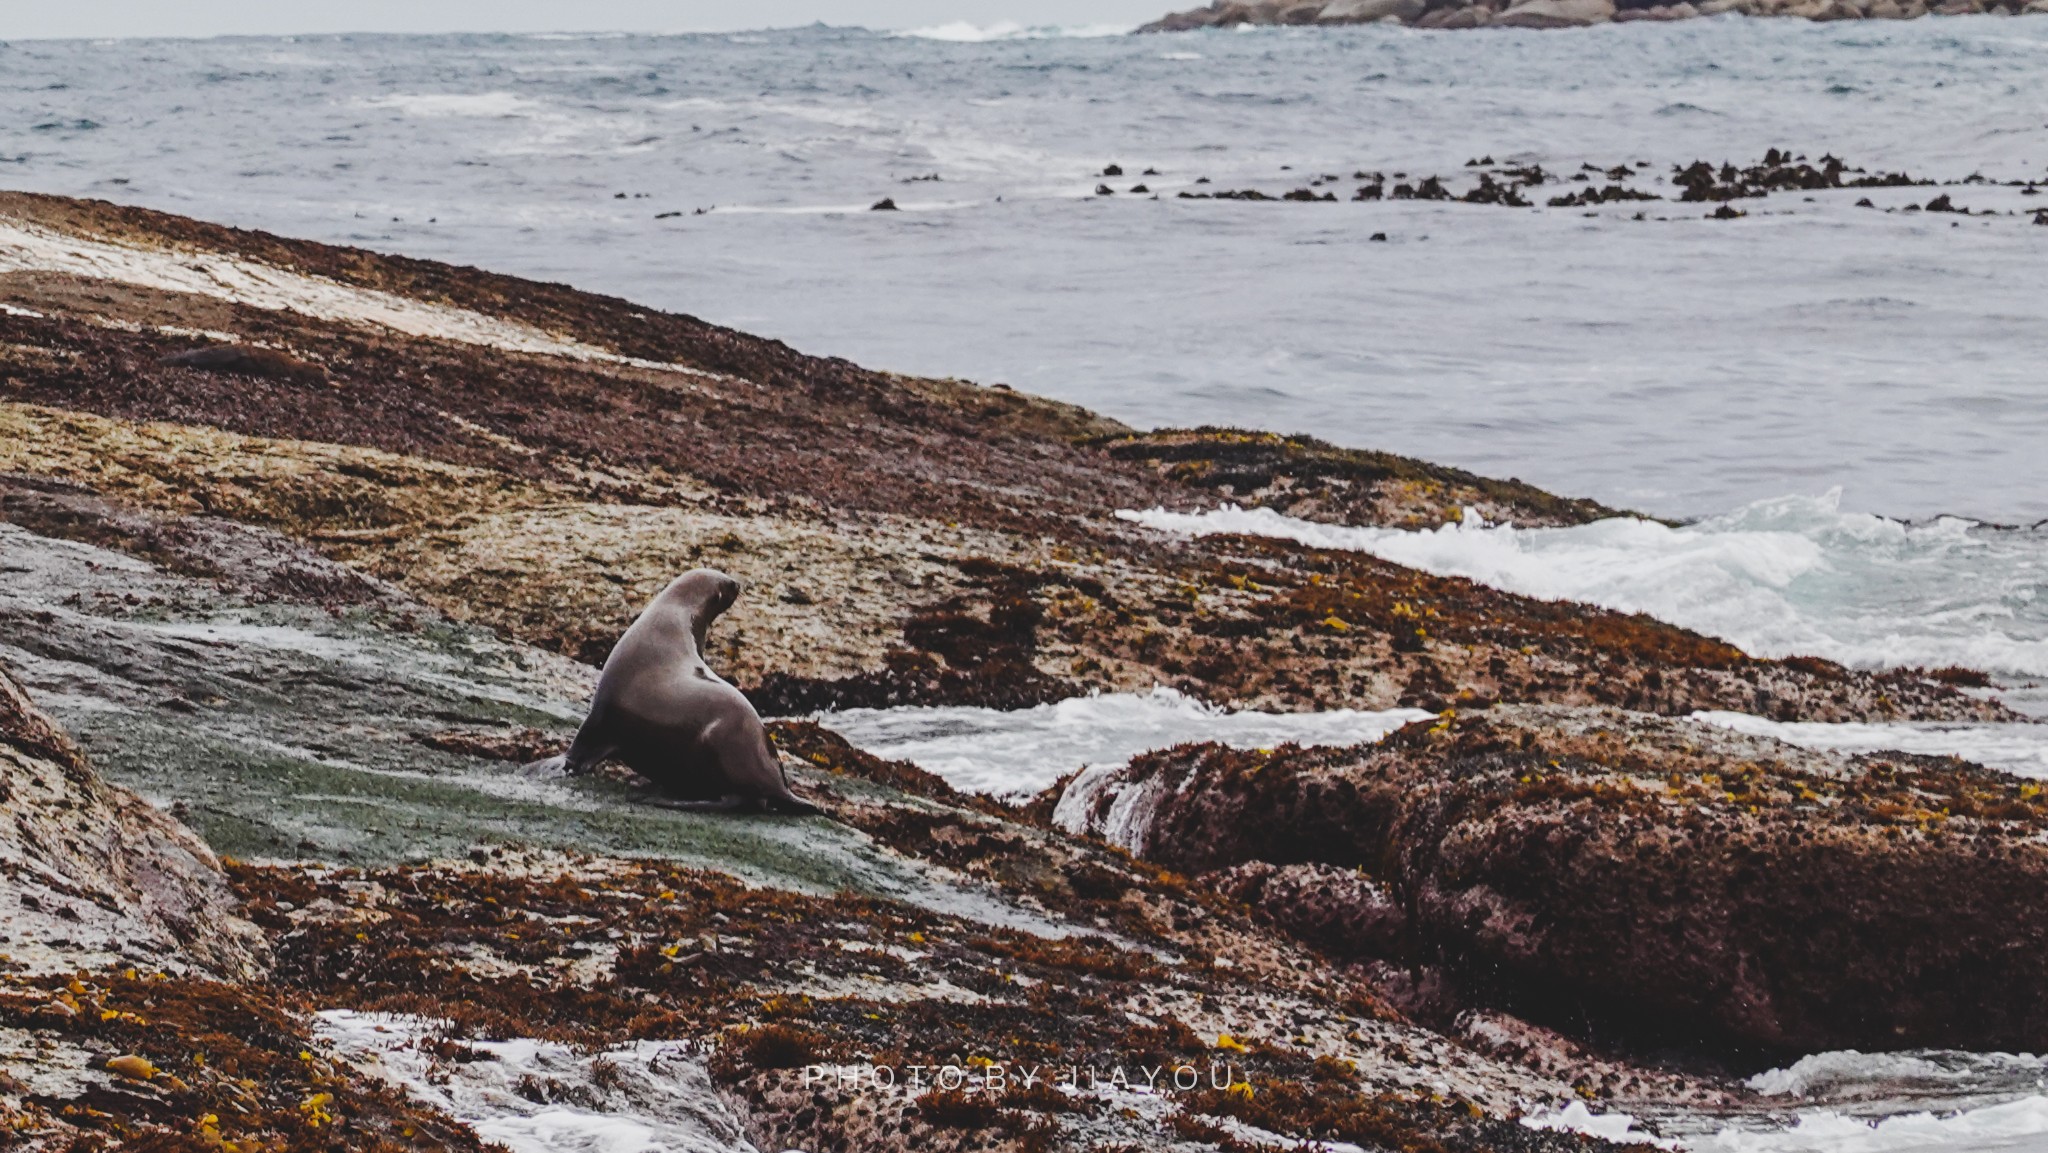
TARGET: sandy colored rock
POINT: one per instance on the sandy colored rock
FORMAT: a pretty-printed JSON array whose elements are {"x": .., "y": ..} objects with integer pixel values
[
  {"x": 1368, "y": 11},
  {"x": 1556, "y": 14}
]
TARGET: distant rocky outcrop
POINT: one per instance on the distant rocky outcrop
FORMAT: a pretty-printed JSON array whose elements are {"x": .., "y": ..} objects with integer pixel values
[
  {"x": 1557, "y": 13},
  {"x": 94, "y": 875},
  {"x": 1617, "y": 875}
]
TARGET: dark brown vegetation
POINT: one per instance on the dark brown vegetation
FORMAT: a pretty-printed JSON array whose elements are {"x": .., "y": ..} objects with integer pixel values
[
  {"x": 695, "y": 954},
  {"x": 1616, "y": 876},
  {"x": 190, "y": 1066},
  {"x": 1308, "y": 478}
]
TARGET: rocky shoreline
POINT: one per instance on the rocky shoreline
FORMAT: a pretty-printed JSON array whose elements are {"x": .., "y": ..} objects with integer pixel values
[
  {"x": 308, "y": 548},
  {"x": 1450, "y": 14}
]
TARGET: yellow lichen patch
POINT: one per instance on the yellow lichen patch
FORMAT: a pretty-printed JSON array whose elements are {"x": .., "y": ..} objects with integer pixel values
[
  {"x": 542, "y": 562},
  {"x": 302, "y": 487},
  {"x": 818, "y": 600},
  {"x": 132, "y": 1067}
]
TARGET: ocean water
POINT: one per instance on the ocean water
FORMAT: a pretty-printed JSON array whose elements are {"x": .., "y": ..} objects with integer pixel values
[{"x": 1680, "y": 366}]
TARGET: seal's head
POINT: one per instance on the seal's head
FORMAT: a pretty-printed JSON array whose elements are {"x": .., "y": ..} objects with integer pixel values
[{"x": 703, "y": 593}]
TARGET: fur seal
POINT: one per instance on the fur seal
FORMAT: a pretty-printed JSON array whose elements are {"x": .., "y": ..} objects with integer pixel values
[{"x": 662, "y": 711}]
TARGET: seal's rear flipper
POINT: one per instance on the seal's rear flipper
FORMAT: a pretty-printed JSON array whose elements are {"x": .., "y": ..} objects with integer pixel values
[
  {"x": 551, "y": 767},
  {"x": 794, "y": 806}
]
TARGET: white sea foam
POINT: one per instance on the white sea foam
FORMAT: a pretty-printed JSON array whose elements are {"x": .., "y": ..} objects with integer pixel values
[
  {"x": 452, "y": 103},
  {"x": 1618, "y": 1127},
  {"x": 2020, "y": 749},
  {"x": 1848, "y": 1075},
  {"x": 2008, "y": 1125},
  {"x": 2012, "y": 1125},
  {"x": 966, "y": 32},
  {"x": 1795, "y": 575},
  {"x": 1020, "y": 752},
  {"x": 641, "y": 1098}
]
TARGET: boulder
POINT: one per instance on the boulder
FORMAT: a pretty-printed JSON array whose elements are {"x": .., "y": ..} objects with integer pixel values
[
  {"x": 1225, "y": 15},
  {"x": 1264, "y": 11},
  {"x": 1187, "y": 21},
  {"x": 96, "y": 877},
  {"x": 1645, "y": 878},
  {"x": 1370, "y": 11},
  {"x": 2037, "y": 8},
  {"x": 1556, "y": 14}
]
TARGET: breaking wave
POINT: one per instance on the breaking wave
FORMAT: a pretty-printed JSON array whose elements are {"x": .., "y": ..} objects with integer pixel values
[
  {"x": 1018, "y": 753},
  {"x": 1782, "y": 577}
]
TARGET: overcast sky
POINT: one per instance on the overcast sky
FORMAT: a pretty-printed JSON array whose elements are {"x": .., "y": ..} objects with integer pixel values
[{"x": 102, "y": 18}]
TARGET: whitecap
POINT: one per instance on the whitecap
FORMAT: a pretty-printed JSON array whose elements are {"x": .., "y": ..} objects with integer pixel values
[
  {"x": 480, "y": 104},
  {"x": 966, "y": 32}
]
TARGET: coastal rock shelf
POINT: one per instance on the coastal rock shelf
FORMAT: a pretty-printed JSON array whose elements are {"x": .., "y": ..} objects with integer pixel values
[
  {"x": 1559, "y": 13},
  {"x": 314, "y": 547}
]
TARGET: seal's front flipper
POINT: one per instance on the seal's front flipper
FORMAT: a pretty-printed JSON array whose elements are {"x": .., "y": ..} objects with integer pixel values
[{"x": 722, "y": 805}]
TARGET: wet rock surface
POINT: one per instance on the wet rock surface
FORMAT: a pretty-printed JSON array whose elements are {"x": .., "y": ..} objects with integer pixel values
[
  {"x": 1620, "y": 875},
  {"x": 95, "y": 876}
]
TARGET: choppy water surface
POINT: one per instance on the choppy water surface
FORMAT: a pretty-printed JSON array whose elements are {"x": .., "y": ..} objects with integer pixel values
[{"x": 1680, "y": 366}]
